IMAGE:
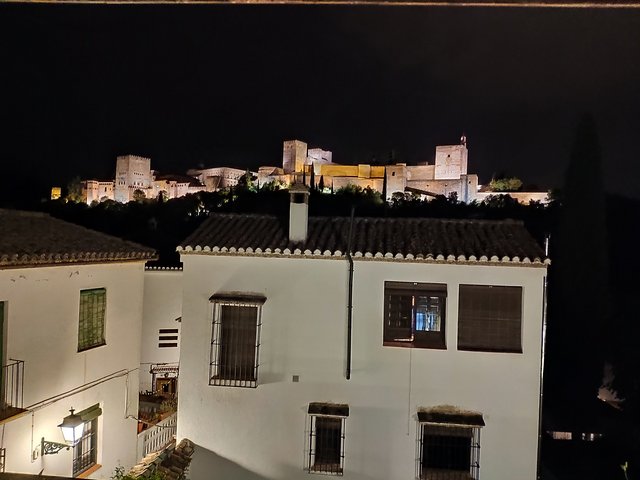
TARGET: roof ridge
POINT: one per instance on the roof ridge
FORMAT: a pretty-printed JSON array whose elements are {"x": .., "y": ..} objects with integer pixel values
[
  {"x": 24, "y": 213},
  {"x": 508, "y": 221}
]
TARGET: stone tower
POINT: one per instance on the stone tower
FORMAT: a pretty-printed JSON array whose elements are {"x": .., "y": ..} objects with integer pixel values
[
  {"x": 451, "y": 161},
  {"x": 132, "y": 173},
  {"x": 294, "y": 156}
]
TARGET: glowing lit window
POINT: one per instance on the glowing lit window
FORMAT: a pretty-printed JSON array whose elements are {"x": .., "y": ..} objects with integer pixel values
[{"x": 414, "y": 314}]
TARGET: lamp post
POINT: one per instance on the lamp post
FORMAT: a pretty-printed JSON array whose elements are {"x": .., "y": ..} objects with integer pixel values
[{"x": 72, "y": 427}]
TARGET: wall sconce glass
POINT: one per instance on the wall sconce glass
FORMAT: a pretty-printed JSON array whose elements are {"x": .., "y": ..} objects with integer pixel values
[{"x": 72, "y": 427}]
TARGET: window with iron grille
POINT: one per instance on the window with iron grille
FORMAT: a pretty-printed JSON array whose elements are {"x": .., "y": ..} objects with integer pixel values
[
  {"x": 448, "y": 446},
  {"x": 449, "y": 452},
  {"x": 235, "y": 339},
  {"x": 414, "y": 314},
  {"x": 91, "y": 319},
  {"x": 85, "y": 452},
  {"x": 490, "y": 318},
  {"x": 326, "y": 438}
]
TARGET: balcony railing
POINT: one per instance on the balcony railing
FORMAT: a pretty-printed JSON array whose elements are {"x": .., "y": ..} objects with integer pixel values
[
  {"x": 157, "y": 437},
  {"x": 11, "y": 388}
]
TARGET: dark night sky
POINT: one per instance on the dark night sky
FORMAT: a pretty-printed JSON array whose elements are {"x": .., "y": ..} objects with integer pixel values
[{"x": 224, "y": 85}]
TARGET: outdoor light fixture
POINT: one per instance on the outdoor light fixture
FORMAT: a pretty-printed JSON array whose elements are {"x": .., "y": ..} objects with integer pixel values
[{"x": 72, "y": 427}]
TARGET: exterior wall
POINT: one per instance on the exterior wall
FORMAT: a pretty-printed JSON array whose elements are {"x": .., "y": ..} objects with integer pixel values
[
  {"x": 465, "y": 187},
  {"x": 318, "y": 157},
  {"x": 451, "y": 161},
  {"x": 396, "y": 179},
  {"x": 294, "y": 156},
  {"x": 132, "y": 172},
  {"x": 341, "y": 182},
  {"x": 421, "y": 172},
  {"x": 228, "y": 177},
  {"x": 162, "y": 306},
  {"x": 334, "y": 170},
  {"x": 522, "y": 197},
  {"x": 304, "y": 330},
  {"x": 42, "y": 308},
  {"x": 96, "y": 191},
  {"x": 363, "y": 175}
]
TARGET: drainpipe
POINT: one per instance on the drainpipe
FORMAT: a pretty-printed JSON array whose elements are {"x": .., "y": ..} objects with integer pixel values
[
  {"x": 542, "y": 352},
  {"x": 350, "y": 296}
]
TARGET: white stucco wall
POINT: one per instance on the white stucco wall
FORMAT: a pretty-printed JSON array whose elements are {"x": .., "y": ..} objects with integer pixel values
[
  {"x": 260, "y": 433},
  {"x": 42, "y": 329},
  {"x": 162, "y": 306}
]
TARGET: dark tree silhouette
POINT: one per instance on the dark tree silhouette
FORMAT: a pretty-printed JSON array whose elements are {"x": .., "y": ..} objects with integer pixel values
[{"x": 579, "y": 310}]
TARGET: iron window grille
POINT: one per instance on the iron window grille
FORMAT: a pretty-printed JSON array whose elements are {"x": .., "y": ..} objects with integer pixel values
[
  {"x": 93, "y": 304},
  {"x": 235, "y": 339},
  {"x": 326, "y": 438},
  {"x": 448, "y": 452},
  {"x": 414, "y": 314},
  {"x": 3, "y": 459},
  {"x": 490, "y": 318},
  {"x": 448, "y": 444},
  {"x": 85, "y": 451}
]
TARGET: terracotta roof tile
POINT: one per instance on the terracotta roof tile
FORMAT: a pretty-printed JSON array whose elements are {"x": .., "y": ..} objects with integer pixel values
[
  {"x": 32, "y": 238},
  {"x": 398, "y": 238}
]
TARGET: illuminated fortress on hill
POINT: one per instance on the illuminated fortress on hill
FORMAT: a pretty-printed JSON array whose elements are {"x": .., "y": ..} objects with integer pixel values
[{"x": 448, "y": 176}]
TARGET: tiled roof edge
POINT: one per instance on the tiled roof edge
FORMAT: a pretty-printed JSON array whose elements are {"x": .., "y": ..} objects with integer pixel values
[
  {"x": 16, "y": 260},
  {"x": 378, "y": 256}
]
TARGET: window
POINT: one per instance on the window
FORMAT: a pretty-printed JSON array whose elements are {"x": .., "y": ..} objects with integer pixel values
[
  {"x": 448, "y": 445},
  {"x": 85, "y": 452},
  {"x": 326, "y": 438},
  {"x": 235, "y": 339},
  {"x": 92, "y": 312},
  {"x": 414, "y": 314},
  {"x": 490, "y": 318}
]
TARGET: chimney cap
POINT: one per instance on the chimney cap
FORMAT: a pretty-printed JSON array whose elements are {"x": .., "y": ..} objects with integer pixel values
[{"x": 298, "y": 188}]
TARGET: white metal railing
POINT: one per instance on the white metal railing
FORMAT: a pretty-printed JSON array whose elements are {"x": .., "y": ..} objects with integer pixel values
[{"x": 158, "y": 436}]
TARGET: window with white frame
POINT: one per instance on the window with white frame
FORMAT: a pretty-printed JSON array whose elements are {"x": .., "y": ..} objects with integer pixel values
[
  {"x": 235, "y": 339},
  {"x": 326, "y": 429},
  {"x": 448, "y": 444}
]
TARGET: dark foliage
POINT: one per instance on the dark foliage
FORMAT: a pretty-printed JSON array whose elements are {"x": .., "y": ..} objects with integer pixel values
[{"x": 578, "y": 283}]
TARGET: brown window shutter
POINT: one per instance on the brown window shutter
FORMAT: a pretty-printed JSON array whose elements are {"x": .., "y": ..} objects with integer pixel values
[{"x": 490, "y": 318}]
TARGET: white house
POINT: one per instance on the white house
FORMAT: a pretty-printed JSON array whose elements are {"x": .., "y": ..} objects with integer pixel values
[
  {"x": 71, "y": 314},
  {"x": 418, "y": 356},
  {"x": 160, "y": 348}
]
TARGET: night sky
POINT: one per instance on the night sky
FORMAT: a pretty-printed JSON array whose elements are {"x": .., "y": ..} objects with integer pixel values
[{"x": 192, "y": 85}]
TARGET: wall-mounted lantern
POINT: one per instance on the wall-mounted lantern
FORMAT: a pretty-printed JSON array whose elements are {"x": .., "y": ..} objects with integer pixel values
[{"x": 72, "y": 427}]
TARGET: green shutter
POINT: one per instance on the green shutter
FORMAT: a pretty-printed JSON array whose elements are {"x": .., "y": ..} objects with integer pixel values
[{"x": 93, "y": 304}]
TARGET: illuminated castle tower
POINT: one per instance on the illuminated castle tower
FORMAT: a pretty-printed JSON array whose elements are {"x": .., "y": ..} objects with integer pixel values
[
  {"x": 132, "y": 173},
  {"x": 294, "y": 156}
]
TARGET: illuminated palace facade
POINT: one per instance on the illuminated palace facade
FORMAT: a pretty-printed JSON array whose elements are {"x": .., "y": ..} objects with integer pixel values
[{"x": 447, "y": 175}]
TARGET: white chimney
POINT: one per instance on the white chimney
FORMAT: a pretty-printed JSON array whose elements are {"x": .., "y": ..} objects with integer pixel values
[{"x": 298, "y": 212}]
